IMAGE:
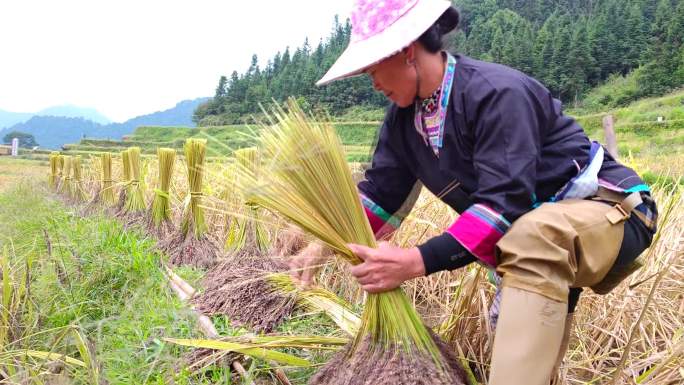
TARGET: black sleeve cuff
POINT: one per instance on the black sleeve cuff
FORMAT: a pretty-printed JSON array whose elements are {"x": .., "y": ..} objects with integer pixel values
[{"x": 443, "y": 252}]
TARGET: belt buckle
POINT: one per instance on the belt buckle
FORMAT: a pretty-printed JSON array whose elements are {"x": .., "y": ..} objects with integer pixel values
[
  {"x": 625, "y": 214},
  {"x": 618, "y": 215}
]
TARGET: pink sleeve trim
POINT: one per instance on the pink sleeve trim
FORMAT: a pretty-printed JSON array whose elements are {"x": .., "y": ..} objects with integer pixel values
[{"x": 478, "y": 229}]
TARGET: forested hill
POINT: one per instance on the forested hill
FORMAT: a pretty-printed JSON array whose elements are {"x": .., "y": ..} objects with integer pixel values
[{"x": 569, "y": 45}]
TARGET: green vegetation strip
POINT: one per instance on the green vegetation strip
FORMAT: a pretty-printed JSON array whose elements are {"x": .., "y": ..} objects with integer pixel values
[{"x": 99, "y": 278}]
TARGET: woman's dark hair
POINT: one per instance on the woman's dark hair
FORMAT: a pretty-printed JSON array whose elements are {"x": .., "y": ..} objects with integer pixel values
[{"x": 432, "y": 38}]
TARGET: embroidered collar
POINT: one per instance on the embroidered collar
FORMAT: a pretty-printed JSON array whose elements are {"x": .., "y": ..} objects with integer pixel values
[
  {"x": 443, "y": 98},
  {"x": 429, "y": 104}
]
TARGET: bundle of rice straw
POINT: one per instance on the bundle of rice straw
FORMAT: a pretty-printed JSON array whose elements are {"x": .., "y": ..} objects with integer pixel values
[
  {"x": 239, "y": 288},
  {"x": 126, "y": 178},
  {"x": 107, "y": 190},
  {"x": 135, "y": 195},
  {"x": 159, "y": 218},
  {"x": 54, "y": 170},
  {"x": 307, "y": 180},
  {"x": 257, "y": 292},
  {"x": 192, "y": 245},
  {"x": 60, "y": 172},
  {"x": 65, "y": 187},
  {"x": 77, "y": 190},
  {"x": 246, "y": 230}
]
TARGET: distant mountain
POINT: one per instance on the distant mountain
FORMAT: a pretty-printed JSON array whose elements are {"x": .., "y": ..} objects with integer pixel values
[
  {"x": 55, "y": 131},
  {"x": 71, "y": 111},
  {"x": 8, "y": 118},
  {"x": 180, "y": 115}
]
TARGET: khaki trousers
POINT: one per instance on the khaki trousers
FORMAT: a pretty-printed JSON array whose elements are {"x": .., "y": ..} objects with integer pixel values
[
  {"x": 571, "y": 243},
  {"x": 559, "y": 245}
]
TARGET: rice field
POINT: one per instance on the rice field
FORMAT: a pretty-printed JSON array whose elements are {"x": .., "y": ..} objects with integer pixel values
[{"x": 89, "y": 296}]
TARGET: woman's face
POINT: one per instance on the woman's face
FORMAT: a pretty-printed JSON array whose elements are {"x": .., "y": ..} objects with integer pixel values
[{"x": 395, "y": 78}]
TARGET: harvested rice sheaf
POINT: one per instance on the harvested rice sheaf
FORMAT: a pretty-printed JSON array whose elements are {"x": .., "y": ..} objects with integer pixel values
[
  {"x": 65, "y": 186},
  {"x": 192, "y": 245},
  {"x": 307, "y": 180},
  {"x": 107, "y": 186},
  {"x": 245, "y": 229},
  {"x": 159, "y": 221},
  {"x": 126, "y": 177},
  {"x": 60, "y": 172},
  {"x": 78, "y": 193},
  {"x": 54, "y": 170},
  {"x": 240, "y": 289},
  {"x": 135, "y": 196}
]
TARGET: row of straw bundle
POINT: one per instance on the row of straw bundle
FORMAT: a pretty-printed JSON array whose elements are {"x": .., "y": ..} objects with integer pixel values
[{"x": 308, "y": 181}]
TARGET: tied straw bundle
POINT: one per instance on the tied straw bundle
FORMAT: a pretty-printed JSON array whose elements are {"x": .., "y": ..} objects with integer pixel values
[
  {"x": 77, "y": 191},
  {"x": 60, "y": 171},
  {"x": 160, "y": 216},
  {"x": 192, "y": 245},
  {"x": 126, "y": 176},
  {"x": 107, "y": 191},
  {"x": 135, "y": 196},
  {"x": 193, "y": 213},
  {"x": 245, "y": 228},
  {"x": 308, "y": 181},
  {"x": 54, "y": 169},
  {"x": 66, "y": 185}
]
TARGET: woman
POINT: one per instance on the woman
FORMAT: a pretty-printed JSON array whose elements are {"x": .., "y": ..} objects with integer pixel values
[{"x": 539, "y": 202}]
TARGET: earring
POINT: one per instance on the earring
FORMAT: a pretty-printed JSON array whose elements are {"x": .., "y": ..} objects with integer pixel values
[{"x": 410, "y": 62}]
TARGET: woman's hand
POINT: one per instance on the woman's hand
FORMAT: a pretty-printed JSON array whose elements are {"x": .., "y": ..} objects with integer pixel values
[
  {"x": 307, "y": 262},
  {"x": 387, "y": 267}
]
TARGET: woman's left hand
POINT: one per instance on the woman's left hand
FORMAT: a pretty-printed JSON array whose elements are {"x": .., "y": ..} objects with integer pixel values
[{"x": 387, "y": 267}]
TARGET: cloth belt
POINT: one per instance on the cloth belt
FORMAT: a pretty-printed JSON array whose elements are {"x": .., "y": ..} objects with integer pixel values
[{"x": 624, "y": 206}]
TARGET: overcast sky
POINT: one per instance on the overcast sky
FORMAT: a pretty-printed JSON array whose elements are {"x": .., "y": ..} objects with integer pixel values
[{"x": 131, "y": 57}]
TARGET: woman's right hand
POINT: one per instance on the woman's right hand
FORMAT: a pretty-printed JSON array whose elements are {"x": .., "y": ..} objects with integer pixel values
[{"x": 305, "y": 264}]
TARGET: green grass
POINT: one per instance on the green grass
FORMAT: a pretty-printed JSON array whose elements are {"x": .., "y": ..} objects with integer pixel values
[
  {"x": 102, "y": 279},
  {"x": 106, "y": 282}
]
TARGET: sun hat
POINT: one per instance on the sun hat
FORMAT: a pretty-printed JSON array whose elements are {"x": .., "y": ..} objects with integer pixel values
[{"x": 381, "y": 28}]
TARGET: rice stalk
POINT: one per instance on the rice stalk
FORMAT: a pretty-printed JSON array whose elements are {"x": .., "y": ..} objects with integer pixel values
[
  {"x": 161, "y": 204},
  {"x": 193, "y": 213},
  {"x": 66, "y": 185},
  {"x": 60, "y": 171},
  {"x": 320, "y": 300},
  {"x": 52, "y": 179},
  {"x": 87, "y": 353},
  {"x": 126, "y": 177},
  {"x": 135, "y": 198},
  {"x": 192, "y": 244},
  {"x": 256, "y": 351},
  {"x": 307, "y": 180},
  {"x": 107, "y": 191},
  {"x": 246, "y": 227},
  {"x": 77, "y": 191}
]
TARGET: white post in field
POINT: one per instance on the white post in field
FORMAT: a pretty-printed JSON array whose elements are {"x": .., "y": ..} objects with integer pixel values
[{"x": 15, "y": 146}]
